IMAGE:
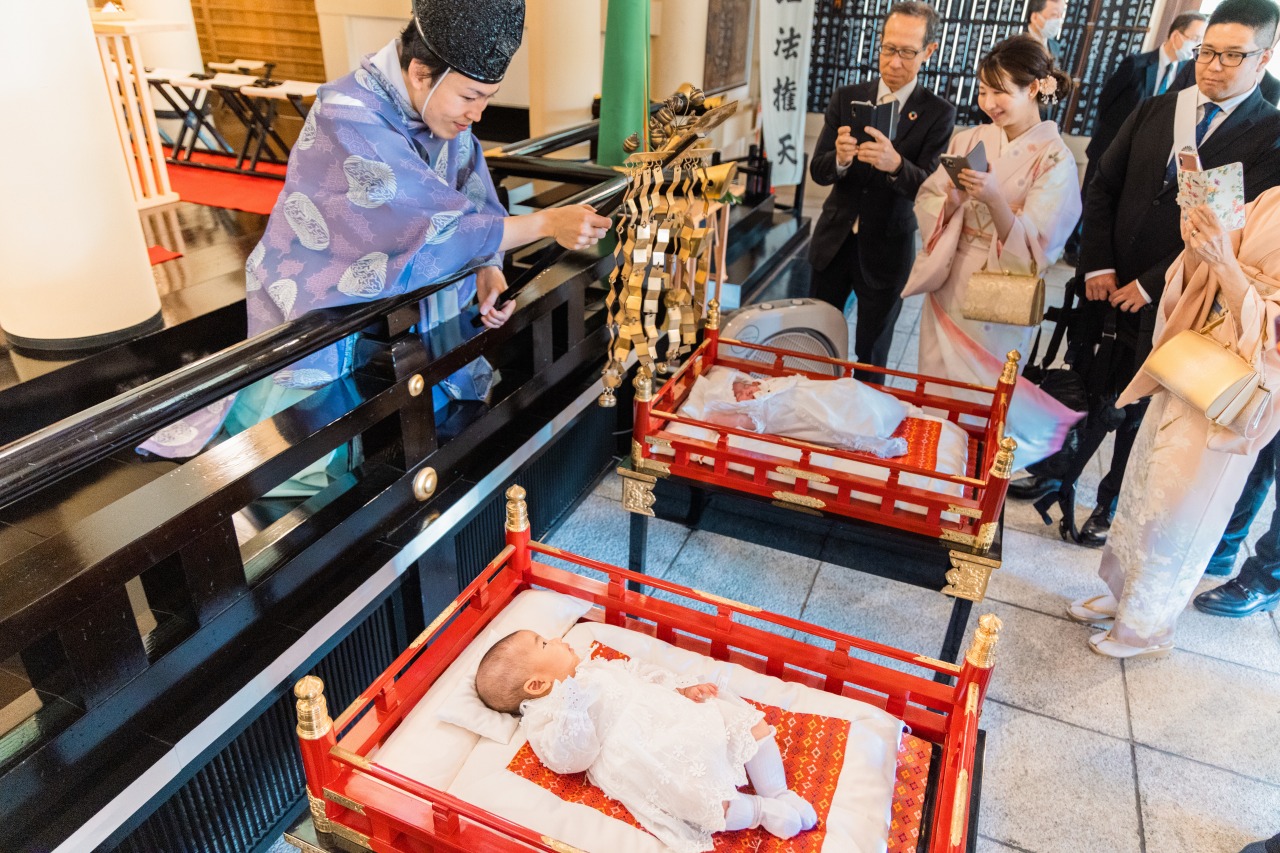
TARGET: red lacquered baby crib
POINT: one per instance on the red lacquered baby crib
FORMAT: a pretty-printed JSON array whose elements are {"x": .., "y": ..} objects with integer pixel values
[
  {"x": 356, "y": 804},
  {"x": 956, "y": 507}
]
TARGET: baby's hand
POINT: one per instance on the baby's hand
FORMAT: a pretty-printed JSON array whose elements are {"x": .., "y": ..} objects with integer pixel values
[{"x": 699, "y": 692}]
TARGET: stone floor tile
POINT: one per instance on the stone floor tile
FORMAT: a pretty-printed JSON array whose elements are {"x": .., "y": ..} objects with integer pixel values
[
  {"x": 610, "y": 486},
  {"x": 1208, "y": 710},
  {"x": 1050, "y": 787},
  {"x": 778, "y": 581},
  {"x": 1043, "y": 665},
  {"x": 1044, "y": 574},
  {"x": 1251, "y": 641},
  {"x": 874, "y": 608},
  {"x": 990, "y": 845},
  {"x": 1190, "y": 808},
  {"x": 600, "y": 529}
]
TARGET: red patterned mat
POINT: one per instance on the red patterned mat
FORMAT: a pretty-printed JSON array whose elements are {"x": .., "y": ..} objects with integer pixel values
[
  {"x": 908, "y": 794},
  {"x": 922, "y": 443},
  {"x": 813, "y": 749}
]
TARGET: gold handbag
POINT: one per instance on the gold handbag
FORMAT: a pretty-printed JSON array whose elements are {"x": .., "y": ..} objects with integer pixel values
[
  {"x": 1212, "y": 378},
  {"x": 1003, "y": 297}
]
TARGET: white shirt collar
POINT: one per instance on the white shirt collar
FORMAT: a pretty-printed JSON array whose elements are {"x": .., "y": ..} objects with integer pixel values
[
  {"x": 387, "y": 61},
  {"x": 900, "y": 96},
  {"x": 1228, "y": 106}
]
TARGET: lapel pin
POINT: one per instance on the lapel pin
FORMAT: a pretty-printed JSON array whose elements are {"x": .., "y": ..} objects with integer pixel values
[{"x": 912, "y": 116}]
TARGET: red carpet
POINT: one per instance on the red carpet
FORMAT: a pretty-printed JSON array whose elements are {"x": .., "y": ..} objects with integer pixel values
[
  {"x": 159, "y": 254},
  {"x": 250, "y": 193}
]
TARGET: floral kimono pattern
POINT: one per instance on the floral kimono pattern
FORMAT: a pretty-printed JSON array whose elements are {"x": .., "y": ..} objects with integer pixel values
[
  {"x": 1185, "y": 473},
  {"x": 1039, "y": 178}
]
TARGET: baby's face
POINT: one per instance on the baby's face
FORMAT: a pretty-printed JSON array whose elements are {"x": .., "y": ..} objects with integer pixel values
[
  {"x": 745, "y": 389},
  {"x": 549, "y": 659}
]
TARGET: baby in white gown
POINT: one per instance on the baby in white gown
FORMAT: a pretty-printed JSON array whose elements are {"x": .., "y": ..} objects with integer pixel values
[
  {"x": 843, "y": 413},
  {"x": 674, "y": 755}
]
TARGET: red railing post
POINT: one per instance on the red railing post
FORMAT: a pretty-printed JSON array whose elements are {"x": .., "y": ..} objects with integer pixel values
[
  {"x": 954, "y": 794},
  {"x": 711, "y": 332},
  {"x": 518, "y": 530},
  {"x": 315, "y": 738},
  {"x": 993, "y": 494}
]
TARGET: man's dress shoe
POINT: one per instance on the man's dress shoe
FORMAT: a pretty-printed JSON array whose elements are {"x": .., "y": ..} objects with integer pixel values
[
  {"x": 1095, "y": 530},
  {"x": 1234, "y": 599},
  {"x": 1031, "y": 488}
]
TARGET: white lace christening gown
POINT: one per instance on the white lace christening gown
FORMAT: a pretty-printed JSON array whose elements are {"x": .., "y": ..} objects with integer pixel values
[{"x": 671, "y": 761}]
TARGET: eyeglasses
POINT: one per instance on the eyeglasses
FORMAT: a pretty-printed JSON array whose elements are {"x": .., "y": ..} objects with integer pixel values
[
  {"x": 905, "y": 52},
  {"x": 1228, "y": 58}
]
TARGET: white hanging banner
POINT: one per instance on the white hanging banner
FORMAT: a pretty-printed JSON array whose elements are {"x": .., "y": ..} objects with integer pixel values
[{"x": 786, "y": 41}]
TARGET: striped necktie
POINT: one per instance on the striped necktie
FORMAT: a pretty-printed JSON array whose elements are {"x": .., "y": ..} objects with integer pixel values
[{"x": 1165, "y": 79}]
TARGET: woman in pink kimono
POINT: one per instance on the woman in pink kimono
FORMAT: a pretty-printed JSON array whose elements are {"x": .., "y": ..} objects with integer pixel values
[
  {"x": 1186, "y": 472},
  {"x": 1014, "y": 218}
]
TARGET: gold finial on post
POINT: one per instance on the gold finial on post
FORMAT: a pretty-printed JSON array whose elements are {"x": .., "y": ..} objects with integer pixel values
[
  {"x": 644, "y": 385},
  {"x": 1002, "y": 467},
  {"x": 982, "y": 652},
  {"x": 1010, "y": 373},
  {"x": 517, "y": 510},
  {"x": 713, "y": 314},
  {"x": 313, "y": 711}
]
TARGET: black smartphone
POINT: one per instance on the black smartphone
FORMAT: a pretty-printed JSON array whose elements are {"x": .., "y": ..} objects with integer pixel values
[
  {"x": 883, "y": 117},
  {"x": 975, "y": 160}
]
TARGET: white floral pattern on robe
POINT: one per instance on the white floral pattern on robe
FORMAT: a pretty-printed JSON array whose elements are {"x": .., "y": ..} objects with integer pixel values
[
  {"x": 373, "y": 205},
  {"x": 671, "y": 761}
]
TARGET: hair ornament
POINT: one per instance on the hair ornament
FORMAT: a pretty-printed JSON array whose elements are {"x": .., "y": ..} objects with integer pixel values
[{"x": 1049, "y": 89}]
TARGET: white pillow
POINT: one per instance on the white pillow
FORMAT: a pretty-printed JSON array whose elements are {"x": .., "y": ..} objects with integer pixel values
[{"x": 550, "y": 614}]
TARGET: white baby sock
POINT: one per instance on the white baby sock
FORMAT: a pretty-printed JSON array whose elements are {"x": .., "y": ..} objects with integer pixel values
[
  {"x": 769, "y": 778},
  {"x": 747, "y": 812}
]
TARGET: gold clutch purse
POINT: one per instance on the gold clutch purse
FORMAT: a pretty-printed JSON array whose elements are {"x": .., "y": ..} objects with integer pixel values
[
  {"x": 1001, "y": 297},
  {"x": 1208, "y": 376}
]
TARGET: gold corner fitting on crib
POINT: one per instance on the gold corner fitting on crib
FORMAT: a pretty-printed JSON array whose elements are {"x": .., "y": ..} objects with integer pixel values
[
  {"x": 968, "y": 575},
  {"x": 637, "y": 491}
]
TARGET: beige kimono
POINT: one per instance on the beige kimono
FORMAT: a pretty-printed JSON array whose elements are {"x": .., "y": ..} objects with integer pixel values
[{"x": 1186, "y": 473}]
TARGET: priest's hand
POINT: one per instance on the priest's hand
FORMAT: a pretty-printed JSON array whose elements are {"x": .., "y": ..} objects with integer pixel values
[
  {"x": 577, "y": 226},
  {"x": 490, "y": 283},
  {"x": 879, "y": 154}
]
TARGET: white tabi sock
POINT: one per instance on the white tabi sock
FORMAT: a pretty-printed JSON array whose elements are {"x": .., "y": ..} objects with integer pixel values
[
  {"x": 747, "y": 812},
  {"x": 769, "y": 778}
]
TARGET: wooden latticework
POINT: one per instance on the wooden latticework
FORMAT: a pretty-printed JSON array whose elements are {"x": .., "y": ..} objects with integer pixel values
[{"x": 286, "y": 32}]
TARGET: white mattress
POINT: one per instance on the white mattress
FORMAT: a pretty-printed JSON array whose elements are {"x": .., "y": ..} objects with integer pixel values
[{"x": 857, "y": 823}]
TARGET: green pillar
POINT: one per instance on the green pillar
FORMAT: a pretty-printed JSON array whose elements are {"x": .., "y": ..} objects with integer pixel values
[{"x": 624, "y": 97}]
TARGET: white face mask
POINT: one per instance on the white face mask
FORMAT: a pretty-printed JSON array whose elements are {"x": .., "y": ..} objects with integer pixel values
[
  {"x": 1052, "y": 28},
  {"x": 1186, "y": 52}
]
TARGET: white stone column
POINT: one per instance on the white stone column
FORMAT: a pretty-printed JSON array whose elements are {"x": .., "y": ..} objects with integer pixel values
[
  {"x": 679, "y": 47},
  {"x": 562, "y": 38},
  {"x": 75, "y": 269},
  {"x": 179, "y": 49}
]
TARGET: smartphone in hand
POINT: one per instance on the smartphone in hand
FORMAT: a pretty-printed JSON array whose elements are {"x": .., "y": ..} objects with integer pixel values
[
  {"x": 955, "y": 163},
  {"x": 883, "y": 117}
]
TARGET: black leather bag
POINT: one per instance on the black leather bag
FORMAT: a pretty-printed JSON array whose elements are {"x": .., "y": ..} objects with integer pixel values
[{"x": 1063, "y": 384}]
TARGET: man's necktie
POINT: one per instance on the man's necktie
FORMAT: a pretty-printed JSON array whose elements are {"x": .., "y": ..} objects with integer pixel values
[
  {"x": 1165, "y": 79},
  {"x": 1211, "y": 111}
]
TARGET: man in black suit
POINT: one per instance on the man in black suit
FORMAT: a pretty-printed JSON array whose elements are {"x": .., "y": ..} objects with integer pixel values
[
  {"x": 1131, "y": 219},
  {"x": 1269, "y": 85},
  {"x": 1141, "y": 76},
  {"x": 865, "y": 239},
  {"x": 1044, "y": 23},
  {"x": 1138, "y": 77}
]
